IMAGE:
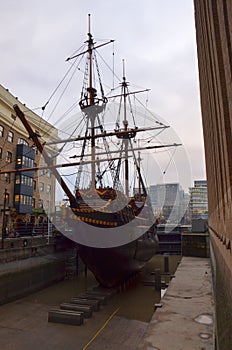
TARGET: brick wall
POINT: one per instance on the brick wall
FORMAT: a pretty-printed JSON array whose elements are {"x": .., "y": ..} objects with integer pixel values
[
  {"x": 214, "y": 45},
  {"x": 12, "y": 124}
]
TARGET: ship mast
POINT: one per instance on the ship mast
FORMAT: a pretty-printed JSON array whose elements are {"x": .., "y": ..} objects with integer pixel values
[
  {"x": 91, "y": 104},
  {"x": 125, "y": 123},
  {"x": 139, "y": 165},
  {"x": 91, "y": 93}
]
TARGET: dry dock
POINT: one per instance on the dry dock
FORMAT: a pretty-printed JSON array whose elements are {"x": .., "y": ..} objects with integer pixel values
[{"x": 127, "y": 321}]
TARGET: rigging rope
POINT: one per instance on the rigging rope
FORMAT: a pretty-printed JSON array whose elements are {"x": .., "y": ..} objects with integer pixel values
[
  {"x": 80, "y": 168},
  {"x": 165, "y": 170},
  {"x": 99, "y": 77},
  {"x": 66, "y": 74}
]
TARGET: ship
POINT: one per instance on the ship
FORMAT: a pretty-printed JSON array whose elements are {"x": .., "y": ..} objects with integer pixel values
[{"x": 106, "y": 214}]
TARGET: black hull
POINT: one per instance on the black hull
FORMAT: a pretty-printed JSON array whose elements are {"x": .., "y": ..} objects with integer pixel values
[
  {"x": 110, "y": 243},
  {"x": 113, "y": 266}
]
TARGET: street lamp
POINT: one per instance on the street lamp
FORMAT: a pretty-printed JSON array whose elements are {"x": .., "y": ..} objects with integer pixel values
[{"x": 4, "y": 216}]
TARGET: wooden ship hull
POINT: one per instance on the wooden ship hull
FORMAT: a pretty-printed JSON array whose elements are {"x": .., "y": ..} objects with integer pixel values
[{"x": 113, "y": 266}]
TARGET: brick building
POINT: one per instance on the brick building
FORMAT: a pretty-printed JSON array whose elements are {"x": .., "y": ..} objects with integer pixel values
[
  {"x": 214, "y": 45},
  {"x": 25, "y": 196}
]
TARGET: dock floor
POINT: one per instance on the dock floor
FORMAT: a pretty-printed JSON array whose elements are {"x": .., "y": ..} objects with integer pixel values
[{"x": 183, "y": 322}]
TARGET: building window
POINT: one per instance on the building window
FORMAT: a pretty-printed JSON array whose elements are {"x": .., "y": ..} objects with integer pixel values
[
  {"x": 7, "y": 178},
  {"x": 23, "y": 199},
  {"x": 24, "y": 180},
  {"x": 49, "y": 174},
  {"x": 17, "y": 198},
  {"x": 34, "y": 186},
  {"x": 7, "y": 198},
  {"x": 0, "y": 152},
  {"x": 35, "y": 149},
  {"x": 1, "y": 131},
  {"x": 40, "y": 204},
  {"x": 10, "y": 136},
  {"x": 48, "y": 188},
  {"x": 8, "y": 157},
  {"x": 42, "y": 171},
  {"x": 41, "y": 186},
  {"x": 22, "y": 141},
  {"x": 19, "y": 160},
  {"x": 23, "y": 160},
  {"x": 33, "y": 202},
  {"x": 17, "y": 179}
]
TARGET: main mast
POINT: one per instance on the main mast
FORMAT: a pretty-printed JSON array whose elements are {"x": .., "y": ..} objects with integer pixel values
[
  {"x": 91, "y": 93},
  {"x": 125, "y": 123},
  {"x": 91, "y": 104}
]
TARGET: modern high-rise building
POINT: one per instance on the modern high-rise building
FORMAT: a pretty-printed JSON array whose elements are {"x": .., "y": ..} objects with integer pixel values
[
  {"x": 213, "y": 19},
  {"x": 25, "y": 196},
  {"x": 199, "y": 200},
  {"x": 169, "y": 202}
]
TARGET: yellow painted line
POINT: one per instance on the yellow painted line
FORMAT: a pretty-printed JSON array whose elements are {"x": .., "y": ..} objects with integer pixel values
[{"x": 101, "y": 329}]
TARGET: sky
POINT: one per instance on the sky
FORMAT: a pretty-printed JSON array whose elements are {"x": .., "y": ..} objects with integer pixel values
[{"x": 156, "y": 38}]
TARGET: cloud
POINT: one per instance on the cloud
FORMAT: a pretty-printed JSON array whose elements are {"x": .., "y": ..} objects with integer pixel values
[{"x": 157, "y": 39}]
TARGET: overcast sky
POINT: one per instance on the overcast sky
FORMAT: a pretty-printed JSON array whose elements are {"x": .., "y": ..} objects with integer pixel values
[{"x": 156, "y": 37}]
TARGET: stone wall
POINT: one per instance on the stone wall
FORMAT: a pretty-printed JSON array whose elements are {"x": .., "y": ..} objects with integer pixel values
[
  {"x": 22, "y": 277},
  {"x": 214, "y": 46},
  {"x": 28, "y": 264},
  {"x": 222, "y": 286},
  {"x": 25, "y": 247}
]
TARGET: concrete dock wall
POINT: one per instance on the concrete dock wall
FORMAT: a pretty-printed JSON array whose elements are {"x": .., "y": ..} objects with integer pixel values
[
  {"x": 25, "y": 247},
  {"x": 186, "y": 319},
  {"x": 20, "y": 278}
]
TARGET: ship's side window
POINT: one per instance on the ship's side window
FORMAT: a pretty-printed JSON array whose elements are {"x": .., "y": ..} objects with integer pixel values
[
  {"x": 10, "y": 136},
  {"x": 1, "y": 131}
]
